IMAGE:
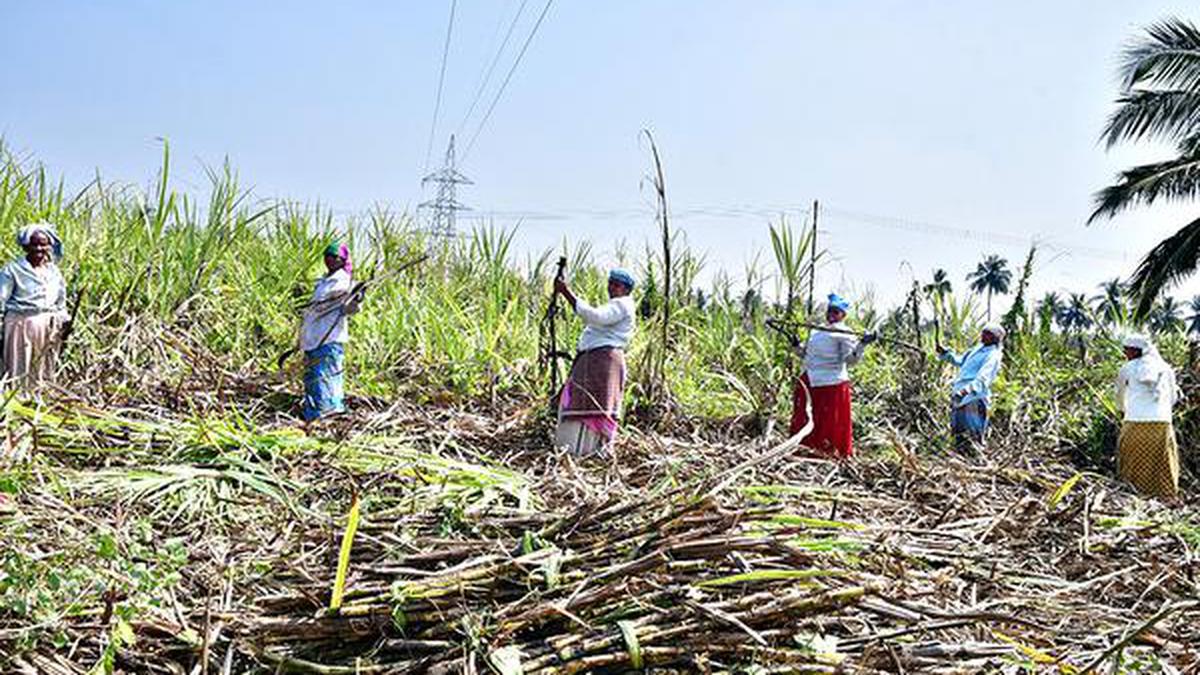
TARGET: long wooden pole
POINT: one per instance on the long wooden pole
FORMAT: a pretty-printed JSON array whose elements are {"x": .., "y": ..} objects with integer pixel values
[
  {"x": 552, "y": 318},
  {"x": 843, "y": 331},
  {"x": 812, "y": 258}
]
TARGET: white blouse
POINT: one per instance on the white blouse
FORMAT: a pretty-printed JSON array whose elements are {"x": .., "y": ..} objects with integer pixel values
[
  {"x": 827, "y": 355},
  {"x": 1146, "y": 389}
]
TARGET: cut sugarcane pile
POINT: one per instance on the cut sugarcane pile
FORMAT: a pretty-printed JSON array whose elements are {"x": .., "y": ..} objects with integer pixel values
[{"x": 476, "y": 550}]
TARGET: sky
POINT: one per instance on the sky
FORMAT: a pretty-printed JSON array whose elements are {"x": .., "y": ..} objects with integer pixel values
[{"x": 932, "y": 133}]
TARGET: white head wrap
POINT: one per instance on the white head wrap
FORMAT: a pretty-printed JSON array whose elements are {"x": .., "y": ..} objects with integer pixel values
[
  {"x": 1138, "y": 341},
  {"x": 25, "y": 234},
  {"x": 996, "y": 330},
  {"x": 1151, "y": 366}
]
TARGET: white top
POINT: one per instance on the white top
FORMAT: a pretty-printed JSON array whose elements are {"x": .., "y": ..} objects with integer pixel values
[
  {"x": 325, "y": 319},
  {"x": 827, "y": 355},
  {"x": 609, "y": 325},
  {"x": 25, "y": 289},
  {"x": 1146, "y": 389}
]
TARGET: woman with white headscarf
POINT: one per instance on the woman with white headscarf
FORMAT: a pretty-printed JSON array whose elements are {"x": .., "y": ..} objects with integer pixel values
[
  {"x": 971, "y": 391},
  {"x": 1147, "y": 455},
  {"x": 33, "y": 299}
]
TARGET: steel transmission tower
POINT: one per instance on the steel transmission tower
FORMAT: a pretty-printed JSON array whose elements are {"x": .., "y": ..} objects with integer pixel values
[{"x": 445, "y": 204}]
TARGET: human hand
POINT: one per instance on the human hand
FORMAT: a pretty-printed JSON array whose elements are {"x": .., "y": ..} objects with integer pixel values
[
  {"x": 560, "y": 286},
  {"x": 869, "y": 338},
  {"x": 940, "y": 349}
]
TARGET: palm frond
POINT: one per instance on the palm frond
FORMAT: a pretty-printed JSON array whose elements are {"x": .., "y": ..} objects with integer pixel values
[
  {"x": 1177, "y": 178},
  {"x": 1173, "y": 259},
  {"x": 1169, "y": 115},
  {"x": 1167, "y": 56}
]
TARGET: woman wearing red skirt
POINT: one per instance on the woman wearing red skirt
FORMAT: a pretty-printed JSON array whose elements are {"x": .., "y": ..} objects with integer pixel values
[{"x": 825, "y": 384}]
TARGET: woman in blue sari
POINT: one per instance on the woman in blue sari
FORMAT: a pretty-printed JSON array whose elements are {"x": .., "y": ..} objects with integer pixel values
[{"x": 323, "y": 335}]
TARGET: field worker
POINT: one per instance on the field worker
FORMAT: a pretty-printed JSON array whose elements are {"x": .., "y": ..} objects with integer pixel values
[
  {"x": 33, "y": 295},
  {"x": 323, "y": 335},
  {"x": 971, "y": 392},
  {"x": 825, "y": 383},
  {"x": 1147, "y": 455},
  {"x": 590, "y": 403}
]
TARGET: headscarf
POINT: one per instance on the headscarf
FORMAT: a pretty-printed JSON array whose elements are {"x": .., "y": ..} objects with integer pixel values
[
  {"x": 1150, "y": 367},
  {"x": 1140, "y": 342},
  {"x": 838, "y": 302},
  {"x": 996, "y": 330},
  {"x": 339, "y": 250},
  {"x": 622, "y": 275},
  {"x": 25, "y": 234}
]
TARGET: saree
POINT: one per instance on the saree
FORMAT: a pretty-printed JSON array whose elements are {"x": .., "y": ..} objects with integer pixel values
[
  {"x": 31, "y": 345},
  {"x": 968, "y": 424},
  {"x": 833, "y": 428},
  {"x": 590, "y": 402},
  {"x": 324, "y": 381},
  {"x": 1148, "y": 457}
]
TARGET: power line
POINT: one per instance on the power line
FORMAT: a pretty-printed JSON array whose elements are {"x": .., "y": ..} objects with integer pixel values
[
  {"x": 437, "y": 101},
  {"x": 507, "y": 78},
  {"x": 742, "y": 211},
  {"x": 1002, "y": 238},
  {"x": 492, "y": 67}
]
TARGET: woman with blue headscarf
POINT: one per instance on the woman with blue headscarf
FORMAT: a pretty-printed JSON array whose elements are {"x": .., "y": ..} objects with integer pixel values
[
  {"x": 590, "y": 401},
  {"x": 971, "y": 391},
  {"x": 33, "y": 298},
  {"x": 823, "y": 393}
]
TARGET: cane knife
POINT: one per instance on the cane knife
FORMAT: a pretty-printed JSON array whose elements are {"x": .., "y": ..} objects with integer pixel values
[{"x": 552, "y": 352}]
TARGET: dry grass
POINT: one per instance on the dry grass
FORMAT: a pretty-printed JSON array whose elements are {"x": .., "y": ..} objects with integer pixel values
[{"x": 208, "y": 543}]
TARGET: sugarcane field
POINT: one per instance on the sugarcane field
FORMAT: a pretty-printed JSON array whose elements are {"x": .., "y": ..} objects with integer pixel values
[{"x": 275, "y": 401}]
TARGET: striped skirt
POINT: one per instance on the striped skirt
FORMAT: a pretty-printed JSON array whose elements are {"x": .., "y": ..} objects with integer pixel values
[{"x": 590, "y": 403}]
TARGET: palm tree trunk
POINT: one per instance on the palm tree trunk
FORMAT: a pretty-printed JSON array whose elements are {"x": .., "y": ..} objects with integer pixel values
[{"x": 989, "y": 305}]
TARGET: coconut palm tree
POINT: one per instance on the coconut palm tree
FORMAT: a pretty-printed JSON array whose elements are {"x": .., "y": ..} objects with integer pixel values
[
  {"x": 991, "y": 276},
  {"x": 1049, "y": 308},
  {"x": 1076, "y": 316},
  {"x": 1110, "y": 303},
  {"x": 1159, "y": 102},
  {"x": 1051, "y": 303},
  {"x": 1193, "y": 319},
  {"x": 940, "y": 287},
  {"x": 1165, "y": 316}
]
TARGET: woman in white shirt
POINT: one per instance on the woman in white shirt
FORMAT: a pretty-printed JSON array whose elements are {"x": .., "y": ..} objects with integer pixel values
[
  {"x": 33, "y": 299},
  {"x": 824, "y": 388},
  {"x": 590, "y": 403},
  {"x": 1147, "y": 455},
  {"x": 323, "y": 335}
]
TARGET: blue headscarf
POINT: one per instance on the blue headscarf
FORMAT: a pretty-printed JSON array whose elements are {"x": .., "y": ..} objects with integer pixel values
[
  {"x": 25, "y": 234},
  {"x": 838, "y": 302},
  {"x": 622, "y": 275}
]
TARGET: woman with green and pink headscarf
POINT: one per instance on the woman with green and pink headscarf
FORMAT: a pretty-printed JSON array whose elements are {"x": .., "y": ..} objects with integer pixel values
[{"x": 324, "y": 332}]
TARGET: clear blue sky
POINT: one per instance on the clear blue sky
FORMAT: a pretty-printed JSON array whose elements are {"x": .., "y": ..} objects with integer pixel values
[{"x": 979, "y": 116}]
